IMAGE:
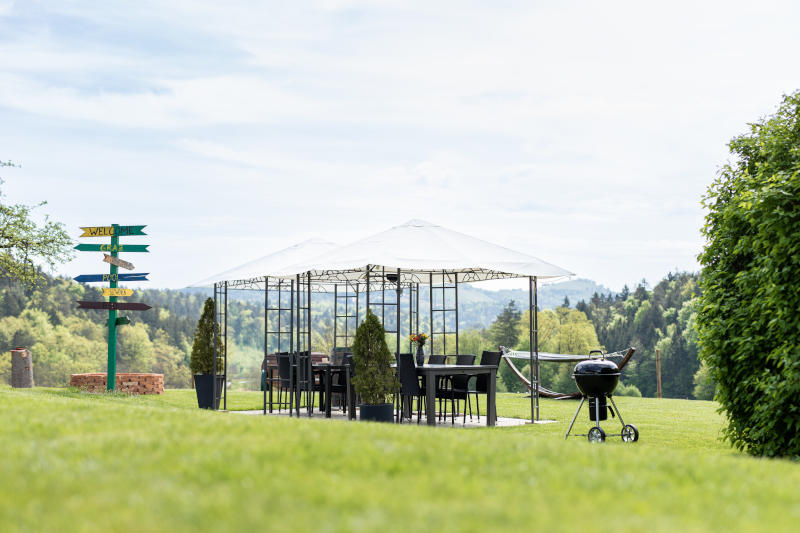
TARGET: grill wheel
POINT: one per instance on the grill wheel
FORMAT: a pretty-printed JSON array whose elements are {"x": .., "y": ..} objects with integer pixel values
[
  {"x": 596, "y": 434},
  {"x": 630, "y": 433}
]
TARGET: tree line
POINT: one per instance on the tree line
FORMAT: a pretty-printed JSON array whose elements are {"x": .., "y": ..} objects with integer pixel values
[{"x": 65, "y": 340}]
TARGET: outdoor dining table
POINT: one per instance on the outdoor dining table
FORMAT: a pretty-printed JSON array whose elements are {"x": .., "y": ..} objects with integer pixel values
[{"x": 432, "y": 372}]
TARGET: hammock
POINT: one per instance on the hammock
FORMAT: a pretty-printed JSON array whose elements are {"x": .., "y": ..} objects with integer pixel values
[{"x": 557, "y": 357}]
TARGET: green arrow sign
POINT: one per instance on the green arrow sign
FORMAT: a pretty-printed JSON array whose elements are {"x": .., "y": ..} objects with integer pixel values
[
  {"x": 123, "y": 320},
  {"x": 112, "y": 247}
]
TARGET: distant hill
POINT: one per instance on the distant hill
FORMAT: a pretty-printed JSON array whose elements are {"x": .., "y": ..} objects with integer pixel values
[{"x": 479, "y": 307}]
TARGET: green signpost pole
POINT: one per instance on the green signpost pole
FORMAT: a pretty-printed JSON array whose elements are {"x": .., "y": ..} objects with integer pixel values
[{"x": 111, "y": 376}]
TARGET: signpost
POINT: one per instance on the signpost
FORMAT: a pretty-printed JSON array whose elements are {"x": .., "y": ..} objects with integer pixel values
[
  {"x": 115, "y": 231},
  {"x": 109, "y": 231},
  {"x": 117, "y": 261},
  {"x": 86, "y": 278},
  {"x": 113, "y": 247},
  {"x": 113, "y": 306},
  {"x": 117, "y": 292}
]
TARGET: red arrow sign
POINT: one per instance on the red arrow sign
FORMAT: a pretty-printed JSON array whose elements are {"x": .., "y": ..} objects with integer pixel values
[{"x": 113, "y": 306}]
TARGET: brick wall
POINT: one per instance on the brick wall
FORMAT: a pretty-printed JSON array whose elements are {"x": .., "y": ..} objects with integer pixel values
[{"x": 132, "y": 383}]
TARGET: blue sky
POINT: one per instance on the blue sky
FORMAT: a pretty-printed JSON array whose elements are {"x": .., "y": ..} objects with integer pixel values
[{"x": 583, "y": 133}]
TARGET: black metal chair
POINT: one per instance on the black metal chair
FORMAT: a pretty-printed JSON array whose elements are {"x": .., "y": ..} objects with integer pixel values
[
  {"x": 306, "y": 381},
  {"x": 284, "y": 383},
  {"x": 482, "y": 381},
  {"x": 338, "y": 378},
  {"x": 457, "y": 388},
  {"x": 409, "y": 387}
]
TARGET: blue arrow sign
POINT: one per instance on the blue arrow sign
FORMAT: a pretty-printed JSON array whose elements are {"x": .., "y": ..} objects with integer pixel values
[{"x": 86, "y": 278}]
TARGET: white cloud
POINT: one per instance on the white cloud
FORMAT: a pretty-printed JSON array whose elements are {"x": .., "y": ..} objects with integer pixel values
[{"x": 583, "y": 133}]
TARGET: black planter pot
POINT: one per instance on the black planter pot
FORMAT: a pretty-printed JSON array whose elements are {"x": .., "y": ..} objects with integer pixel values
[
  {"x": 383, "y": 412},
  {"x": 204, "y": 387}
]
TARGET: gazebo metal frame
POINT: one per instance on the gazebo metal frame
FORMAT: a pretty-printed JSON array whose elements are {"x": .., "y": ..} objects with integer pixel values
[{"x": 358, "y": 283}]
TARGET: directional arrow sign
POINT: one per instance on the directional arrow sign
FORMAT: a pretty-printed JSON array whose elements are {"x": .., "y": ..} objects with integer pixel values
[
  {"x": 108, "y": 231},
  {"x": 123, "y": 320},
  {"x": 135, "y": 276},
  {"x": 117, "y": 292},
  {"x": 113, "y": 306},
  {"x": 117, "y": 261},
  {"x": 112, "y": 248}
]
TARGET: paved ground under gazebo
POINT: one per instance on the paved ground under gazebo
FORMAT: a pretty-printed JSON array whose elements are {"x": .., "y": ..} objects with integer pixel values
[{"x": 474, "y": 423}]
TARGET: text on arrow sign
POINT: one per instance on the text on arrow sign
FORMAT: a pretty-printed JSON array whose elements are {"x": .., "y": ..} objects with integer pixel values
[
  {"x": 108, "y": 231},
  {"x": 117, "y": 292}
]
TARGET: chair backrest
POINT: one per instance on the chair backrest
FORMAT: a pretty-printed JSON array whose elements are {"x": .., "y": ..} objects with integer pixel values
[
  {"x": 283, "y": 368},
  {"x": 302, "y": 368},
  {"x": 437, "y": 359},
  {"x": 407, "y": 372},
  {"x": 461, "y": 382},
  {"x": 350, "y": 364},
  {"x": 487, "y": 358}
]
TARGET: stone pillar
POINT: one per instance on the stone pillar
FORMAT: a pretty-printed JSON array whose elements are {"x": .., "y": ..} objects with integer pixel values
[{"x": 21, "y": 368}]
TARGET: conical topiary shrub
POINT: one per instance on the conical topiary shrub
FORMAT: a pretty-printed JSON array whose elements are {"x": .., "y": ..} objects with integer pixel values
[
  {"x": 374, "y": 380},
  {"x": 202, "y": 360},
  {"x": 208, "y": 387}
]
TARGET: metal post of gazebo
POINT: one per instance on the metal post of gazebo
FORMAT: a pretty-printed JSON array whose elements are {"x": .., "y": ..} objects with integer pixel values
[{"x": 533, "y": 343}]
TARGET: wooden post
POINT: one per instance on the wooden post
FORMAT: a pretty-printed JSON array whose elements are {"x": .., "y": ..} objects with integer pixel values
[
  {"x": 21, "y": 369},
  {"x": 658, "y": 372}
]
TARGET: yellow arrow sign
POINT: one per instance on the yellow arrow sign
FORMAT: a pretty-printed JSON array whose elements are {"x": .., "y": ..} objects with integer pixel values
[
  {"x": 108, "y": 231},
  {"x": 117, "y": 292}
]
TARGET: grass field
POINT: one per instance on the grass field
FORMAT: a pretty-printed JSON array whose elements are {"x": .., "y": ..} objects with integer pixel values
[{"x": 79, "y": 462}]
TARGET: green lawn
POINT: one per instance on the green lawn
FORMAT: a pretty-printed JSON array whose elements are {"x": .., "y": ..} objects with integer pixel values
[{"x": 79, "y": 462}]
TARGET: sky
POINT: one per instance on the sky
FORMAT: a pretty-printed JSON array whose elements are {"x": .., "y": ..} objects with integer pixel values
[{"x": 583, "y": 133}]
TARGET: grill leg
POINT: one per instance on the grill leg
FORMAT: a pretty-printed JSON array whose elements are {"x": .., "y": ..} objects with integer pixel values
[
  {"x": 597, "y": 411},
  {"x": 619, "y": 415},
  {"x": 583, "y": 399}
]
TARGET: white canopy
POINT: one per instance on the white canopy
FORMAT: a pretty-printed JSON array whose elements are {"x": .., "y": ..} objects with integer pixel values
[
  {"x": 418, "y": 247},
  {"x": 271, "y": 263}
]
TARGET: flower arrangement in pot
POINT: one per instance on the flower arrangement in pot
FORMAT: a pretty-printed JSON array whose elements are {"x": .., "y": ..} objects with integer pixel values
[
  {"x": 202, "y": 360},
  {"x": 418, "y": 340},
  {"x": 374, "y": 379}
]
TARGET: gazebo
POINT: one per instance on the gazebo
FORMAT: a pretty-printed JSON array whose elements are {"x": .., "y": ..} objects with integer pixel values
[{"x": 373, "y": 273}]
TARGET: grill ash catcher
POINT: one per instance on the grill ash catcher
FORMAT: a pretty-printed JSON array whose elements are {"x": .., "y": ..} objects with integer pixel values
[{"x": 597, "y": 378}]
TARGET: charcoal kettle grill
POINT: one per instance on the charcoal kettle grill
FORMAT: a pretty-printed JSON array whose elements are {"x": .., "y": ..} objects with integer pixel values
[{"x": 597, "y": 377}]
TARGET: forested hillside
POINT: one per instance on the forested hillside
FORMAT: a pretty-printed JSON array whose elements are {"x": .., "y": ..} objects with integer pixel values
[
  {"x": 66, "y": 340},
  {"x": 659, "y": 319}
]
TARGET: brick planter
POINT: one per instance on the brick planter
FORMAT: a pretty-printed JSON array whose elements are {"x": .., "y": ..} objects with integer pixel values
[{"x": 132, "y": 383}]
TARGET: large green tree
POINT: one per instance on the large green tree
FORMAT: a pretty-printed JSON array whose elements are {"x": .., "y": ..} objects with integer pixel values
[
  {"x": 504, "y": 331},
  {"x": 748, "y": 320},
  {"x": 24, "y": 243}
]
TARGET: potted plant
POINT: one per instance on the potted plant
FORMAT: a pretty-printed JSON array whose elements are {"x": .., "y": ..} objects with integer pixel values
[
  {"x": 202, "y": 361},
  {"x": 374, "y": 379}
]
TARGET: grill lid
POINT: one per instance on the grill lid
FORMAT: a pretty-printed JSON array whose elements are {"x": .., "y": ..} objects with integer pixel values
[{"x": 596, "y": 367}]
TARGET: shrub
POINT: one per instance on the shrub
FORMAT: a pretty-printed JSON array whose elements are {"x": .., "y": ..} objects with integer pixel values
[
  {"x": 202, "y": 359},
  {"x": 748, "y": 323},
  {"x": 704, "y": 384},
  {"x": 627, "y": 390},
  {"x": 374, "y": 379}
]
